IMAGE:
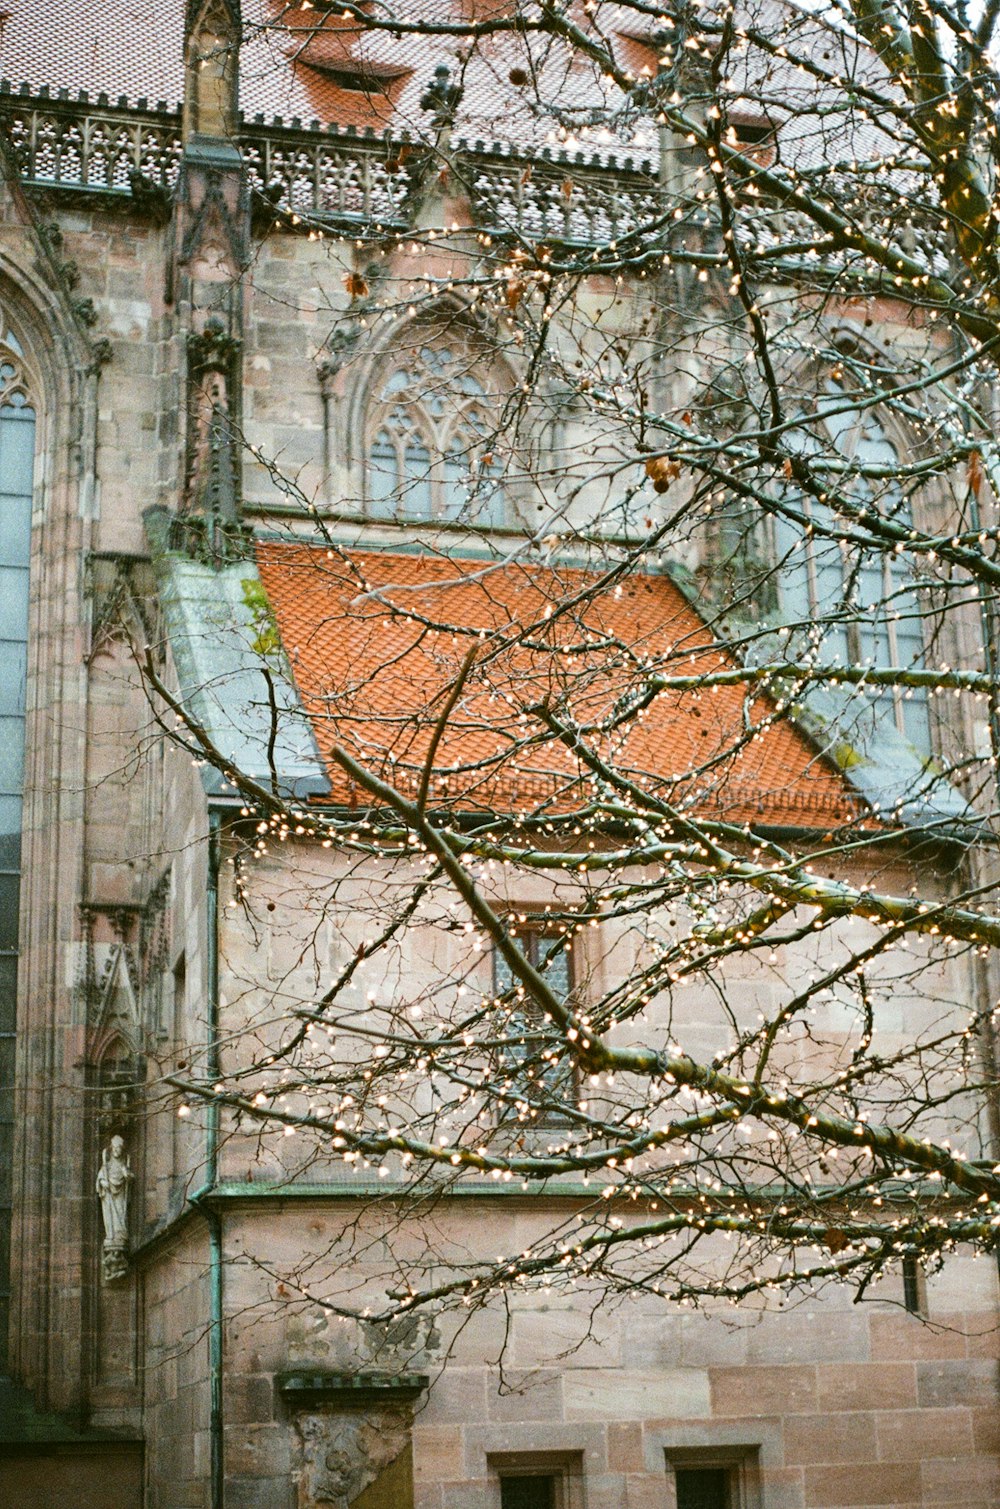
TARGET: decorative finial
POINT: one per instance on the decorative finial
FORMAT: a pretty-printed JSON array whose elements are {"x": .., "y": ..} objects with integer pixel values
[{"x": 441, "y": 96}]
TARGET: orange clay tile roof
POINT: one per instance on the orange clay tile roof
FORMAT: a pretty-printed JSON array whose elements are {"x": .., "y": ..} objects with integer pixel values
[{"x": 376, "y": 640}]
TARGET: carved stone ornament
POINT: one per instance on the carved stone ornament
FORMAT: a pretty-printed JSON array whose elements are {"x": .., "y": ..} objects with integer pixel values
[
  {"x": 344, "y": 1453},
  {"x": 114, "y": 1179}
]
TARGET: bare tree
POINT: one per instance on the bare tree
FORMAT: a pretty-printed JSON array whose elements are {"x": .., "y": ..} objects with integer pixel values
[{"x": 657, "y": 864}]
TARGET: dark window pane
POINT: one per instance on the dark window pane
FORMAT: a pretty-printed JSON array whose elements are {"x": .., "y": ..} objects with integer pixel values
[
  {"x": 17, "y": 451},
  {"x": 911, "y": 1285},
  {"x": 417, "y": 501},
  {"x": 383, "y": 477},
  {"x": 10, "y": 832},
  {"x": 8, "y": 997},
  {"x": 7, "y": 1164},
  {"x": 545, "y": 1081},
  {"x": 528, "y": 1493},
  {"x": 17, "y": 444},
  {"x": 4, "y": 1249},
  {"x": 10, "y": 893},
  {"x": 703, "y": 1488}
]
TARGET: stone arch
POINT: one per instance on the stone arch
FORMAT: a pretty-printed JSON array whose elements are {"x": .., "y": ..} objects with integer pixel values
[{"x": 54, "y": 365}]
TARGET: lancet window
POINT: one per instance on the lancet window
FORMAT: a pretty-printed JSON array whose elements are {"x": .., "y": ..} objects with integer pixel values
[
  {"x": 17, "y": 460},
  {"x": 865, "y": 604},
  {"x": 431, "y": 440},
  {"x": 545, "y": 1083}
]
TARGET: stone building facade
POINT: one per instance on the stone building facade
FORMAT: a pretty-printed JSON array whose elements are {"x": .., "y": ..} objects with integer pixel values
[{"x": 164, "y": 290}]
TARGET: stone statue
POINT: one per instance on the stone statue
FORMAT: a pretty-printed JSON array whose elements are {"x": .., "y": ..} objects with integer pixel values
[{"x": 113, "y": 1181}]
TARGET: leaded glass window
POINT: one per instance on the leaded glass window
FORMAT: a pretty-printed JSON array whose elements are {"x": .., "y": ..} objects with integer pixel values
[
  {"x": 865, "y": 603},
  {"x": 431, "y": 446},
  {"x": 17, "y": 453},
  {"x": 531, "y": 1062}
]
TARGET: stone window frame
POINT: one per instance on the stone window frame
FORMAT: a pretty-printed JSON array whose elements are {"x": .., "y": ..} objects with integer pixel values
[
  {"x": 20, "y": 392},
  {"x": 427, "y": 402},
  {"x": 740, "y": 1461},
  {"x": 849, "y": 433},
  {"x": 565, "y": 1466}
]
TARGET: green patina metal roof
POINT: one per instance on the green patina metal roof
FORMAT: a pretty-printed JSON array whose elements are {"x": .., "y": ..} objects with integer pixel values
[{"x": 234, "y": 678}]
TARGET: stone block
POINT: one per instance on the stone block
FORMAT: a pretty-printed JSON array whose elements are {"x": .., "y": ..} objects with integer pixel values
[
  {"x": 783, "y": 1488},
  {"x": 850, "y": 1386},
  {"x": 811, "y": 1439},
  {"x": 960, "y": 1479},
  {"x": 714, "y": 1344},
  {"x": 606, "y": 1491},
  {"x": 763, "y": 1390},
  {"x": 613, "y": 1394},
  {"x": 260, "y": 1451},
  {"x": 863, "y": 1484},
  {"x": 901, "y": 1335},
  {"x": 823, "y": 1335},
  {"x": 466, "y": 1495},
  {"x": 986, "y": 1430},
  {"x": 910, "y": 1435},
  {"x": 941, "y": 1385},
  {"x": 527, "y": 1396},
  {"x": 540, "y": 1336},
  {"x": 458, "y": 1395},
  {"x": 644, "y": 1492},
  {"x": 259, "y": 1493},
  {"x": 437, "y": 1453},
  {"x": 982, "y": 1336},
  {"x": 625, "y": 1448}
]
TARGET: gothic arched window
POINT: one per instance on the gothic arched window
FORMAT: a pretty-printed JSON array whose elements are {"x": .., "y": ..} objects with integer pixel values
[
  {"x": 17, "y": 461},
  {"x": 866, "y": 603},
  {"x": 430, "y": 440}
]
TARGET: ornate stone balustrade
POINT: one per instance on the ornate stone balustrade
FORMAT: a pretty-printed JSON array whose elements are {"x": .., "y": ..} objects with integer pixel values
[
  {"x": 90, "y": 147},
  {"x": 336, "y": 176},
  {"x": 339, "y": 177},
  {"x": 563, "y": 200}
]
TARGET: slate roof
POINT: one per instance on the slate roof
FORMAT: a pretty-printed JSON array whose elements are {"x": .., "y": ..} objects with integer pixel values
[{"x": 371, "y": 641}]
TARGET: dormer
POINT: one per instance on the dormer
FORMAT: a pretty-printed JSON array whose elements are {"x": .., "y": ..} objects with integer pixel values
[{"x": 350, "y": 78}]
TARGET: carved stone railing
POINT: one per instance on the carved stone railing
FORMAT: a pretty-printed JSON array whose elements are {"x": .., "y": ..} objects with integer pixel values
[
  {"x": 347, "y": 175},
  {"x": 86, "y": 146},
  {"x": 335, "y": 175},
  {"x": 564, "y": 199}
]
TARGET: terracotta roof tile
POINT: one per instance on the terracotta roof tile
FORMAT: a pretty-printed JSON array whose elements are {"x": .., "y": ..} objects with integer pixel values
[
  {"x": 376, "y": 640},
  {"x": 133, "y": 49}
]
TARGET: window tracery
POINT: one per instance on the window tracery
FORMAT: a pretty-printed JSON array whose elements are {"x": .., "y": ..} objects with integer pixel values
[{"x": 430, "y": 440}]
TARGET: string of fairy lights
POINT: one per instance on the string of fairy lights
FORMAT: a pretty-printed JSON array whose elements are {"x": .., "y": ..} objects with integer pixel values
[{"x": 814, "y": 1136}]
